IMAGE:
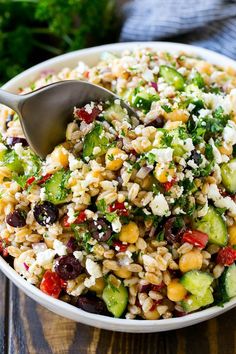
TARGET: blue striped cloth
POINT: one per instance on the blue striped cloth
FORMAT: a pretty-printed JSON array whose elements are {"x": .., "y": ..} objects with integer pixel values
[{"x": 206, "y": 23}]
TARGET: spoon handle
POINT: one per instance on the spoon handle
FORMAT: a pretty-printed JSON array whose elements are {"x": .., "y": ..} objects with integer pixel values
[{"x": 10, "y": 100}]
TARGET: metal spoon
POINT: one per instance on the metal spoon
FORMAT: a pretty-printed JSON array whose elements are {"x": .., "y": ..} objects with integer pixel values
[{"x": 45, "y": 113}]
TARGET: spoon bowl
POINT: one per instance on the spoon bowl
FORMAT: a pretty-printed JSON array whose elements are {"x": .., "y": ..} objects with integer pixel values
[{"x": 45, "y": 113}]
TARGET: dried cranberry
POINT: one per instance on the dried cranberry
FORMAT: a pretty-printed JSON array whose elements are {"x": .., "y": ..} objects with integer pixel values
[
  {"x": 179, "y": 313},
  {"x": 145, "y": 288},
  {"x": 174, "y": 228},
  {"x": 15, "y": 140},
  {"x": 46, "y": 213},
  {"x": 158, "y": 287},
  {"x": 87, "y": 117},
  {"x": 99, "y": 229},
  {"x": 17, "y": 218},
  {"x": 92, "y": 304},
  {"x": 68, "y": 267}
]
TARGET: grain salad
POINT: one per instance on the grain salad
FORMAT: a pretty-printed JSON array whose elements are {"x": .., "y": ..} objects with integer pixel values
[{"x": 131, "y": 218}]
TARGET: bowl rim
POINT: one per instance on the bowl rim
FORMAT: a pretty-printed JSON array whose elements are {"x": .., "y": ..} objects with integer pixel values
[{"x": 71, "y": 311}]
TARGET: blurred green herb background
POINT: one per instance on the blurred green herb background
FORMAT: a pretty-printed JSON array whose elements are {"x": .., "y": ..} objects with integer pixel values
[{"x": 34, "y": 30}]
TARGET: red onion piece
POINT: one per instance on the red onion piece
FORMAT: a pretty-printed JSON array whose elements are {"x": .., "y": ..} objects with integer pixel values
[
  {"x": 143, "y": 172},
  {"x": 154, "y": 85}
]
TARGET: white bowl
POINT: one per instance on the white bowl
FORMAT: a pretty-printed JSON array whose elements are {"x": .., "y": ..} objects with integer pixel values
[{"x": 91, "y": 57}]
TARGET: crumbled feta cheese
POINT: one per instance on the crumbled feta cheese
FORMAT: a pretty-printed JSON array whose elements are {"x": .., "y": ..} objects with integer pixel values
[
  {"x": 71, "y": 214},
  {"x": 116, "y": 225},
  {"x": 96, "y": 150},
  {"x": 45, "y": 257},
  {"x": 159, "y": 205},
  {"x": 93, "y": 268},
  {"x": 148, "y": 75},
  {"x": 19, "y": 149},
  {"x": 229, "y": 133},
  {"x": 2, "y": 147},
  {"x": 163, "y": 155},
  {"x": 192, "y": 164},
  {"x": 88, "y": 282},
  {"x": 188, "y": 145},
  {"x": 78, "y": 255},
  {"x": 216, "y": 153},
  {"x": 43, "y": 195},
  {"x": 60, "y": 248},
  {"x": 74, "y": 163},
  {"x": 219, "y": 201}
]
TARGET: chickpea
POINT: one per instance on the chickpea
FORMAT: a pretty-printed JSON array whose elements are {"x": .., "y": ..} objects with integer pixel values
[
  {"x": 129, "y": 233},
  {"x": 177, "y": 115},
  {"x": 162, "y": 174},
  {"x": 232, "y": 234},
  {"x": 152, "y": 315},
  {"x": 176, "y": 291},
  {"x": 98, "y": 286},
  {"x": 226, "y": 149},
  {"x": 191, "y": 260},
  {"x": 113, "y": 159},
  {"x": 60, "y": 155}
]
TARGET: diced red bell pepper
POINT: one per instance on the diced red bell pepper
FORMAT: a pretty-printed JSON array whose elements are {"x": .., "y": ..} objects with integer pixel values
[
  {"x": 44, "y": 178},
  {"x": 3, "y": 249},
  {"x": 80, "y": 218},
  {"x": 122, "y": 247},
  {"x": 167, "y": 185},
  {"x": 65, "y": 222},
  {"x": 87, "y": 117},
  {"x": 63, "y": 283},
  {"x": 226, "y": 256},
  {"x": 120, "y": 208},
  {"x": 51, "y": 284},
  {"x": 196, "y": 238},
  {"x": 30, "y": 181}
]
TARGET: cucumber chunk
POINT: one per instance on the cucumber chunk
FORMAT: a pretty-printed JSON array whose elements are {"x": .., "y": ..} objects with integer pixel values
[
  {"x": 227, "y": 283},
  {"x": 93, "y": 139},
  {"x": 228, "y": 173},
  {"x": 31, "y": 163},
  {"x": 214, "y": 226},
  {"x": 116, "y": 299},
  {"x": 116, "y": 112},
  {"x": 193, "y": 302},
  {"x": 55, "y": 189},
  {"x": 196, "y": 282},
  {"x": 143, "y": 100},
  {"x": 11, "y": 160},
  {"x": 172, "y": 77}
]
